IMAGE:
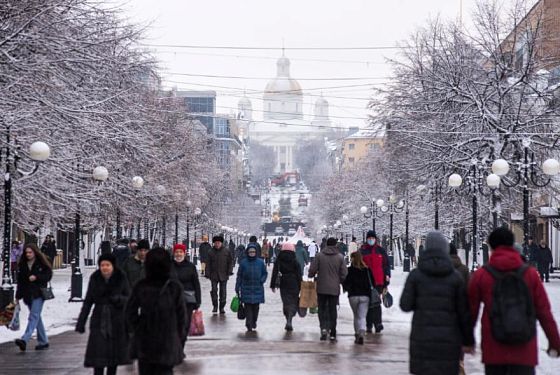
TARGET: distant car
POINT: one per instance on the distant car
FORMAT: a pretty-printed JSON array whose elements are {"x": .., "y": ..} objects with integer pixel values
[
  {"x": 291, "y": 232},
  {"x": 279, "y": 230}
]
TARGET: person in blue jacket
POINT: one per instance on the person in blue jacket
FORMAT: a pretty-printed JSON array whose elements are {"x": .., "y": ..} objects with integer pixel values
[{"x": 251, "y": 276}]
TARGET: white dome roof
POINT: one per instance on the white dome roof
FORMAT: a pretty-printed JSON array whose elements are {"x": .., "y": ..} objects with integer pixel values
[
  {"x": 321, "y": 102},
  {"x": 283, "y": 83},
  {"x": 245, "y": 102}
]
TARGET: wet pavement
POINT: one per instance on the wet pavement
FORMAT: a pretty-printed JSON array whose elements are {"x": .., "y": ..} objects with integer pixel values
[{"x": 228, "y": 349}]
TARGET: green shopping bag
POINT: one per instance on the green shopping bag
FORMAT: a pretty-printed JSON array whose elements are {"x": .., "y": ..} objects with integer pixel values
[{"x": 234, "y": 306}]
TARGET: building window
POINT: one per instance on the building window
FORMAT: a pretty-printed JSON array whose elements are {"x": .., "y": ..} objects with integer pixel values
[
  {"x": 351, "y": 160},
  {"x": 351, "y": 146},
  {"x": 222, "y": 127},
  {"x": 200, "y": 105}
]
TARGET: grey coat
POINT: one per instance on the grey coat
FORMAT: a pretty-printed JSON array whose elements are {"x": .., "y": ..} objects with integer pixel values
[
  {"x": 330, "y": 268},
  {"x": 219, "y": 265}
]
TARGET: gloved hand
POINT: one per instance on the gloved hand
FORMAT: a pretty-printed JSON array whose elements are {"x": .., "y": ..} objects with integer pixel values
[{"x": 80, "y": 328}]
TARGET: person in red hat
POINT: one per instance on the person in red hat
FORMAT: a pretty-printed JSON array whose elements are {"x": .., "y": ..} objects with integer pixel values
[{"x": 185, "y": 272}]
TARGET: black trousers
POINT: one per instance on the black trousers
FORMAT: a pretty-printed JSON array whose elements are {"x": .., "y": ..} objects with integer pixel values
[
  {"x": 508, "y": 370},
  {"x": 223, "y": 293},
  {"x": 544, "y": 271},
  {"x": 110, "y": 370},
  {"x": 154, "y": 369},
  {"x": 251, "y": 315},
  {"x": 374, "y": 315},
  {"x": 328, "y": 312}
]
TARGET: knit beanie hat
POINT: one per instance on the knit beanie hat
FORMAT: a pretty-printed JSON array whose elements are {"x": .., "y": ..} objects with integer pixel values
[
  {"x": 435, "y": 240},
  {"x": 179, "y": 246},
  {"x": 107, "y": 257},
  {"x": 371, "y": 233},
  {"x": 288, "y": 246},
  {"x": 218, "y": 238}
]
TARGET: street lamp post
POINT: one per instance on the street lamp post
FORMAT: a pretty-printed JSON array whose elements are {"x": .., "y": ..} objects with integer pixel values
[
  {"x": 406, "y": 263},
  {"x": 373, "y": 211},
  {"x": 435, "y": 191},
  {"x": 189, "y": 205},
  {"x": 526, "y": 173},
  {"x": 38, "y": 152},
  {"x": 392, "y": 207}
]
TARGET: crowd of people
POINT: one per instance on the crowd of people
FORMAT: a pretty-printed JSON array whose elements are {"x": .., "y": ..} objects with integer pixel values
[{"x": 143, "y": 298}]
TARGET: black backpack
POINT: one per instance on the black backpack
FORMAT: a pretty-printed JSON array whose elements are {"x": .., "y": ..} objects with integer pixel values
[{"x": 512, "y": 318}]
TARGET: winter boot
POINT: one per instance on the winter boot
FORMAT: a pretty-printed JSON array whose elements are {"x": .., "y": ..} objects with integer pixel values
[
  {"x": 289, "y": 327},
  {"x": 324, "y": 335},
  {"x": 378, "y": 328},
  {"x": 222, "y": 307},
  {"x": 360, "y": 338}
]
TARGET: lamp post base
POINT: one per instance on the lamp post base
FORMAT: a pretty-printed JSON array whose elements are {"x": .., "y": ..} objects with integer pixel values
[
  {"x": 392, "y": 261},
  {"x": 406, "y": 264}
]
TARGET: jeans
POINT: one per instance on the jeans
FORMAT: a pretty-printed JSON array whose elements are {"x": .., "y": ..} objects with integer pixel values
[
  {"x": 154, "y": 369},
  {"x": 374, "y": 316},
  {"x": 223, "y": 293},
  {"x": 508, "y": 370},
  {"x": 35, "y": 322},
  {"x": 327, "y": 312},
  {"x": 360, "y": 306},
  {"x": 251, "y": 315}
]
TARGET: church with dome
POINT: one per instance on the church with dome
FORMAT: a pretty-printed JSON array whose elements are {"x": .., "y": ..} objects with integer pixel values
[{"x": 284, "y": 126}]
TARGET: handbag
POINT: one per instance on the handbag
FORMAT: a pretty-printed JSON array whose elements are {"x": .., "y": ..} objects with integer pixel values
[
  {"x": 234, "y": 306},
  {"x": 190, "y": 297},
  {"x": 374, "y": 297},
  {"x": 197, "y": 324},
  {"x": 308, "y": 294},
  {"x": 47, "y": 292},
  {"x": 387, "y": 298},
  {"x": 241, "y": 311},
  {"x": 14, "y": 323}
]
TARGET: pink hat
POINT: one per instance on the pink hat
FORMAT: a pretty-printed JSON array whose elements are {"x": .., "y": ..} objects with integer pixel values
[{"x": 288, "y": 246}]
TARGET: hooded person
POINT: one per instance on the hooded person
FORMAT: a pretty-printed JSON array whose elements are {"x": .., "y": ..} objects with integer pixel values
[
  {"x": 301, "y": 255},
  {"x": 218, "y": 270},
  {"x": 251, "y": 276},
  {"x": 286, "y": 275},
  {"x": 375, "y": 257},
  {"x": 441, "y": 325},
  {"x": 108, "y": 291},
  {"x": 330, "y": 268}
]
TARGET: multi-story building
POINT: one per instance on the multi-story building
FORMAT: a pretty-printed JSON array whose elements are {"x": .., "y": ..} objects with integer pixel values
[
  {"x": 358, "y": 146},
  {"x": 201, "y": 105}
]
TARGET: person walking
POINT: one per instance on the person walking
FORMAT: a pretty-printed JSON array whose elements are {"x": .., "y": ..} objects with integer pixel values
[
  {"x": 266, "y": 252},
  {"x": 287, "y": 275},
  {"x": 544, "y": 261},
  {"x": 34, "y": 273},
  {"x": 156, "y": 317},
  {"x": 514, "y": 298},
  {"x": 133, "y": 267},
  {"x": 330, "y": 269},
  {"x": 49, "y": 248},
  {"x": 184, "y": 271},
  {"x": 218, "y": 270},
  {"x": 441, "y": 324},
  {"x": 375, "y": 257},
  {"x": 358, "y": 284},
  {"x": 122, "y": 252},
  {"x": 313, "y": 249},
  {"x": 107, "y": 345},
  {"x": 15, "y": 255},
  {"x": 301, "y": 255},
  {"x": 203, "y": 251},
  {"x": 251, "y": 276},
  {"x": 531, "y": 252}
]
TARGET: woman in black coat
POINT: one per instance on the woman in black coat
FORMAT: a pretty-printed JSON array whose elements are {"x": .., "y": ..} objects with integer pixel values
[
  {"x": 107, "y": 344},
  {"x": 185, "y": 272},
  {"x": 287, "y": 268},
  {"x": 155, "y": 313},
  {"x": 441, "y": 324}
]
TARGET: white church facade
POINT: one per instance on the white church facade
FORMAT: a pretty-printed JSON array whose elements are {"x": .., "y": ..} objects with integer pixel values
[{"x": 284, "y": 125}]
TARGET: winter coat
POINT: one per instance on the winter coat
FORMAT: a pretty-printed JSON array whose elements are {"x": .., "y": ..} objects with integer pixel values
[
  {"x": 533, "y": 253},
  {"x": 357, "y": 282},
  {"x": 265, "y": 251},
  {"x": 203, "y": 251},
  {"x": 49, "y": 249},
  {"x": 187, "y": 275},
  {"x": 30, "y": 290},
  {"x": 312, "y": 249},
  {"x": 302, "y": 257},
  {"x": 156, "y": 316},
  {"x": 330, "y": 268},
  {"x": 121, "y": 253},
  {"x": 480, "y": 290},
  {"x": 342, "y": 248},
  {"x": 134, "y": 270},
  {"x": 108, "y": 339},
  {"x": 461, "y": 268},
  {"x": 251, "y": 276},
  {"x": 240, "y": 253},
  {"x": 441, "y": 324},
  {"x": 287, "y": 265},
  {"x": 544, "y": 257},
  {"x": 219, "y": 265},
  {"x": 375, "y": 257}
]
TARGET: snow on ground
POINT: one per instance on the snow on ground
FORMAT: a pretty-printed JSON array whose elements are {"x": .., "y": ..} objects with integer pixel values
[{"x": 59, "y": 315}]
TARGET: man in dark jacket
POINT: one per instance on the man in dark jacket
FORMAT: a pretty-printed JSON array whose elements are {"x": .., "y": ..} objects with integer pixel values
[
  {"x": 133, "y": 267},
  {"x": 49, "y": 248},
  {"x": 121, "y": 252},
  {"x": 498, "y": 357},
  {"x": 330, "y": 268},
  {"x": 441, "y": 325},
  {"x": 532, "y": 252},
  {"x": 458, "y": 264},
  {"x": 544, "y": 259},
  {"x": 218, "y": 270},
  {"x": 203, "y": 251},
  {"x": 375, "y": 257}
]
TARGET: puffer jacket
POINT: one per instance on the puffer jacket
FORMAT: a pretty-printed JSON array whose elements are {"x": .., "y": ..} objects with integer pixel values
[
  {"x": 330, "y": 268},
  {"x": 441, "y": 324},
  {"x": 251, "y": 276}
]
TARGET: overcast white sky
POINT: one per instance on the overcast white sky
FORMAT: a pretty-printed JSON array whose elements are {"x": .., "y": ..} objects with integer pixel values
[{"x": 299, "y": 23}]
